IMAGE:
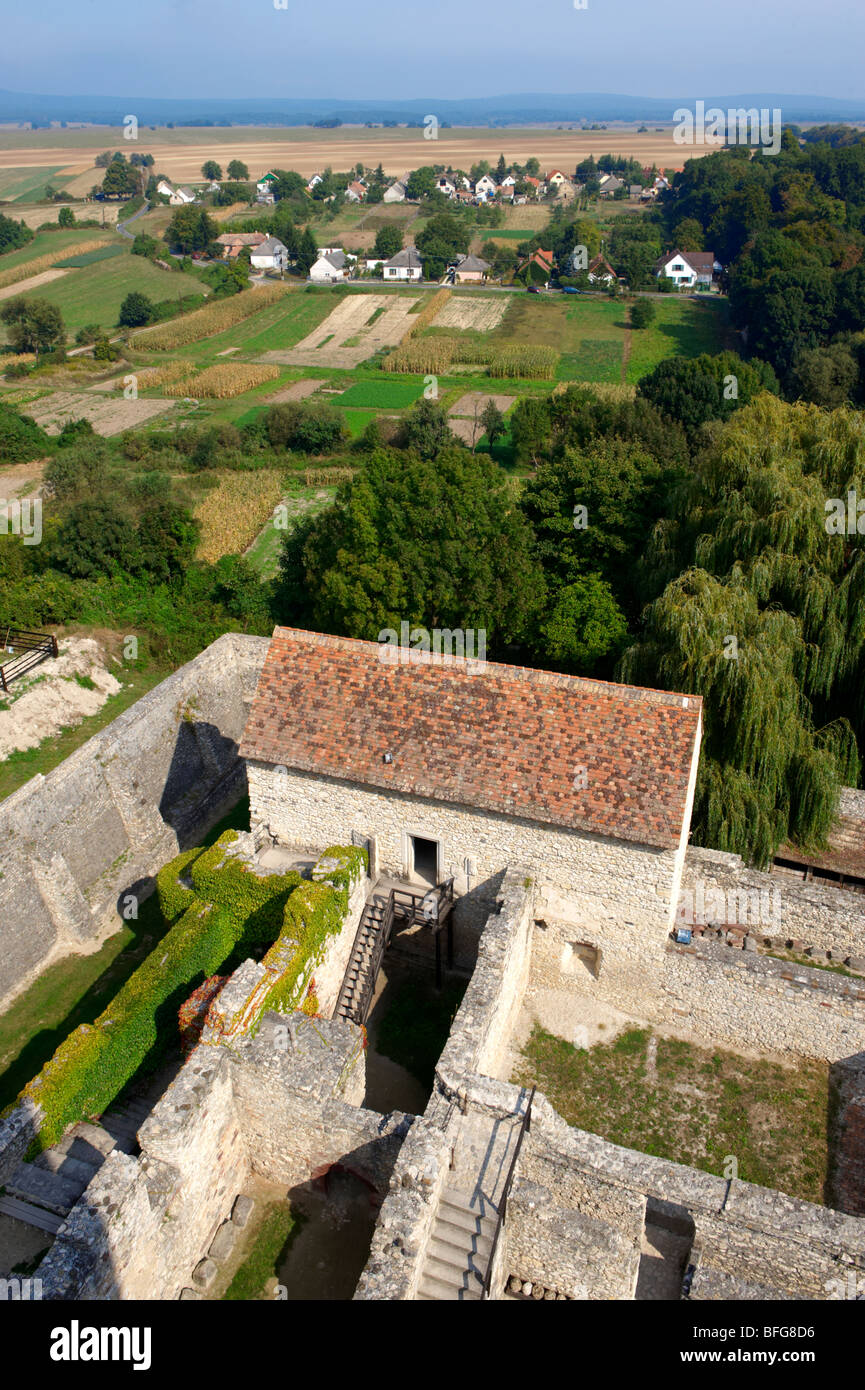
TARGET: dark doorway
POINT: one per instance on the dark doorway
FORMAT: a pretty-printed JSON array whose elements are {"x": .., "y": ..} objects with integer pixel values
[{"x": 425, "y": 859}]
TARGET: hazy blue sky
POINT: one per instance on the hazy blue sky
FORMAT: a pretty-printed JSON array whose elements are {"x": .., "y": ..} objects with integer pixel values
[{"x": 451, "y": 48}]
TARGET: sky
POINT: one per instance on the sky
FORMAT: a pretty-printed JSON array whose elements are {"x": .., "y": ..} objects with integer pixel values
[{"x": 449, "y": 48}]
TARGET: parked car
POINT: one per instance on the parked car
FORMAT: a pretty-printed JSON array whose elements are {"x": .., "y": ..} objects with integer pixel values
[
  {"x": 533, "y": 289},
  {"x": 570, "y": 289}
]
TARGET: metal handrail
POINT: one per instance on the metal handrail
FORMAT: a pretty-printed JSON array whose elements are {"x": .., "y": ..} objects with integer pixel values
[
  {"x": 33, "y": 646},
  {"x": 503, "y": 1203}
]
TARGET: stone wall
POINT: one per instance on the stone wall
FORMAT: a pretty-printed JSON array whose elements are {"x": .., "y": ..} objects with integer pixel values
[
  {"x": 819, "y": 915},
  {"x": 77, "y": 842},
  {"x": 747, "y": 1000},
  {"x": 142, "y": 1224},
  {"x": 626, "y": 892}
]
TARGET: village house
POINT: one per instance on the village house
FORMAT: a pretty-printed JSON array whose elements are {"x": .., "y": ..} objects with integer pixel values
[
  {"x": 537, "y": 186},
  {"x": 485, "y": 187},
  {"x": 332, "y": 265},
  {"x": 445, "y": 186},
  {"x": 405, "y": 265},
  {"x": 395, "y": 193},
  {"x": 543, "y": 260},
  {"x": 610, "y": 184},
  {"x": 600, "y": 272},
  {"x": 177, "y": 196},
  {"x": 689, "y": 268},
  {"x": 264, "y": 188},
  {"x": 356, "y": 192},
  {"x": 508, "y": 181},
  {"x": 232, "y": 243},
  {"x": 270, "y": 254},
  {"x": 556, "y": 179},
  {"x": 314, "y": 182},
  {"x": 469, "y": 270}
]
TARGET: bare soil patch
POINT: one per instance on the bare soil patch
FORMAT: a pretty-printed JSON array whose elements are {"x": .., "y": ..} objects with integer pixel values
[
  {"x": 473, "y": 312},
  {"x": 24, "y": 286},
  {"x": 477, "y": 400},
  {"x": 328, "y": 345},
  {"x": 297, "y": 391},
  {"x": 106, "y": 417},
  {"x": 56, "y": 695}
]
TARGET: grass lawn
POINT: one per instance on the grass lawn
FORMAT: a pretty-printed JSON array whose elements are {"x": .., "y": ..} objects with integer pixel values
[
  {"x": 94, "y": 293},
  {"x": 681, "y": 328},
  {"x": 692, "y": 1105},
  {"x": 104, "y": 253},
  {"x": 506, "y": 233},
  {"x": 415, "y": 1027},
  {"x": 356, "y": 421},
  {"x": 277, "y": 1230}
]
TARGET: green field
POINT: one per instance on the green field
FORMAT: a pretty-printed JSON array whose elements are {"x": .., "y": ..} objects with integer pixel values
[
  {"x": 44, "y": 243},
  {"x": 105, "y": 253},
  {"x": 27, "y": 185},
  {"x": 681, "y": 328},
  {"x": 279, "y": 326},
  {"x": 382, "y": 395},
  {"x": 94, "y": 293}
]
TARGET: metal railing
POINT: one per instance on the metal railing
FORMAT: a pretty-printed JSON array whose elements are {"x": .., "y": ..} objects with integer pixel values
[
  {"x": 404, "y": 906},
  {"x": 503, "y": 1203},
  {"x": 33, "y": 647}
]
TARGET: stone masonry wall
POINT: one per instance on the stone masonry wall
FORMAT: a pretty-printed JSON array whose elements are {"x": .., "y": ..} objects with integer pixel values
[
  {"x": 744, "y": 999},
  {"x": 819, "y": 915},
  {"x": 625, "y": 891},
  {"x": 76, "y": 842}
]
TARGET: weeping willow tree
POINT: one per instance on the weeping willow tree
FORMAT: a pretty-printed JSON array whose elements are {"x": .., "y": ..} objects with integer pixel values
[{"x": 762, "y": 614}]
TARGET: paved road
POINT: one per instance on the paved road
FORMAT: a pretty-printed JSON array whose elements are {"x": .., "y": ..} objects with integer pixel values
[{"x": 121, "y": 226}]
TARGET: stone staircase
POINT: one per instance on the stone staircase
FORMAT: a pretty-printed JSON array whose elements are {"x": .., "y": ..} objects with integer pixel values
[
  {"x": 349, "y": 1004},
  {"x": 44, "y": 1191},
  {"x": 458, "y": 1254}
]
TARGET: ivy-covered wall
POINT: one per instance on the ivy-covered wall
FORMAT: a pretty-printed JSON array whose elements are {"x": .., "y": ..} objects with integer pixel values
[{"x": 221, "y": 912}]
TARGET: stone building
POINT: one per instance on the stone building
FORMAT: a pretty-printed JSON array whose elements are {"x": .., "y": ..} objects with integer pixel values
[{"x": 452, "y": 768}]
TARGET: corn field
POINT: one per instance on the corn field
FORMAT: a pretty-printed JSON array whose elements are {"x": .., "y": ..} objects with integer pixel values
[
  {"x": 222, "y": 380},
  {"x": 232, "y": 514},
  {"x": 435, "y": 355},
  {"x": 328, "y": 477},
  {"x": 203, "y": 323},
  {"x": 46, "y": 262},
  {"x": 428, "y": 313},
  {"x": 150, "y": 377}
]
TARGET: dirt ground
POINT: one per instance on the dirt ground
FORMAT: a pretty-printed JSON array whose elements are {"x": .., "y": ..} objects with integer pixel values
[
  {"x": 50, "y": 698},
  {"x": 471, "y": 312},
  {"x": 297, "y": 391},
  {"x": 25, "y": 286},
  {"x": 478, "y": 401},
  {"x": 328, "y": 346},
  {"x": 106, "y": 417}
]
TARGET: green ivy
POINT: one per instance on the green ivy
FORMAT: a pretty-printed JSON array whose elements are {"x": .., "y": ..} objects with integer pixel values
[{"x": 228, "y": 910}]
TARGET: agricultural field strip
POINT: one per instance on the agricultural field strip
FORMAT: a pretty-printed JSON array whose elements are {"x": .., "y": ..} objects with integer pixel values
[
  {"x": 326, "y": 345},
  {"x": 473, "y": 313},
  {"x": 106, "y": 417}
]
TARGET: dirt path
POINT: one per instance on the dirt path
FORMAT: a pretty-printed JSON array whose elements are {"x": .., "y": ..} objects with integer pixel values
[{"x": 24, "y": 286}]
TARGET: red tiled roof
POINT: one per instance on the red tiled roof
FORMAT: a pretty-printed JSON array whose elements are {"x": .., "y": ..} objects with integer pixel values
[{"x": 502, "y": 738}]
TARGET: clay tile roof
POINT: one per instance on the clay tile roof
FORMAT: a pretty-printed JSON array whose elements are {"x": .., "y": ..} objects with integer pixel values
[{"x": 504, "y": 739}]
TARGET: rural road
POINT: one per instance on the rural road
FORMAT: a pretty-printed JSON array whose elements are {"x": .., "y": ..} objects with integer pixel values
[{"x": 121, "y": 226}]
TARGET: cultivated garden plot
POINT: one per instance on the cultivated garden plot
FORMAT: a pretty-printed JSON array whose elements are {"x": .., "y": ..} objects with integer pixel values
[
  {"x": 473, "y": 312},
  {"x": 358, "y": 326},
  {"x": 106, "y": 417},
  {"x": 476, "y": 402},
  {"x": 297, "y": 391}
]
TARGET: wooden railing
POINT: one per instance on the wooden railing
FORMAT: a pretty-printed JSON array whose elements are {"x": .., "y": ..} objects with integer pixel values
[
  {"x": 503, "y": 1203},
  {"x": 33, "y": 647}
]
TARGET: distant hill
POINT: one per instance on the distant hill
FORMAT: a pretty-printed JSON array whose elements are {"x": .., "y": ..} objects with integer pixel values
[{"x": 520, "y": 109}]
